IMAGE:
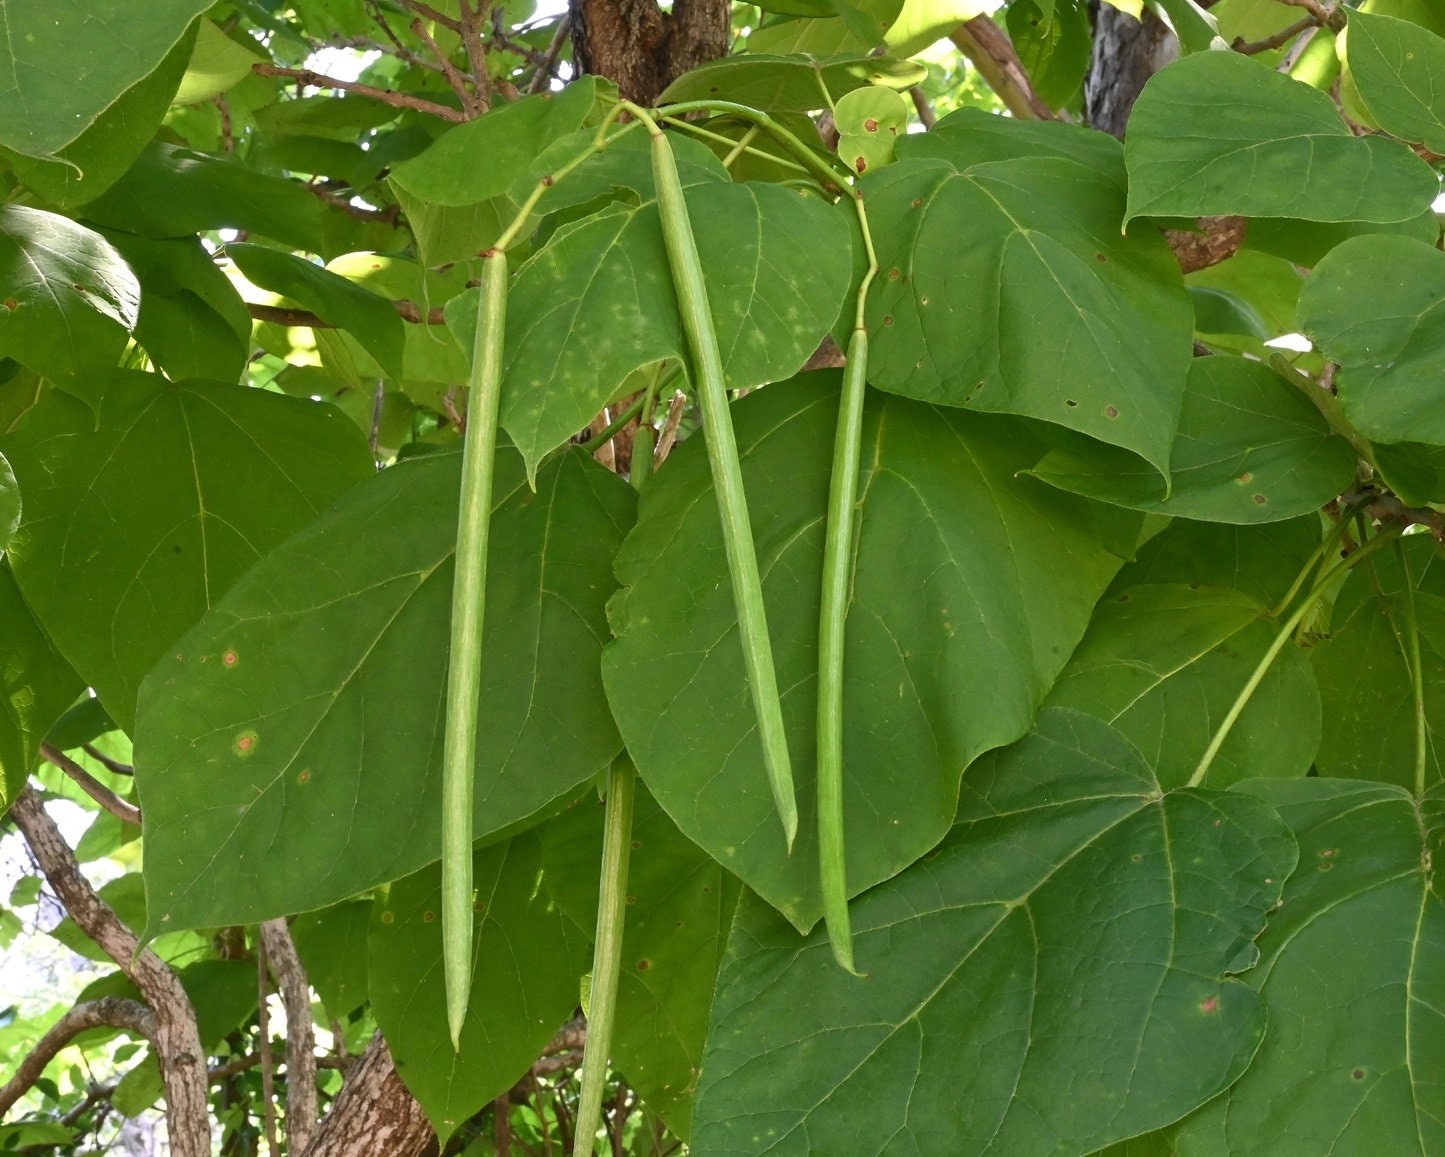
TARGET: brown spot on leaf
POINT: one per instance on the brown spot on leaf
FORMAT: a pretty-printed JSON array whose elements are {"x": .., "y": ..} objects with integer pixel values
[
  {"x": 644, "y": 964},
  {"x": 870, "y": 125},
  {"x": 1209, "y": 1004},
  {"x": 428, "y": 917}
]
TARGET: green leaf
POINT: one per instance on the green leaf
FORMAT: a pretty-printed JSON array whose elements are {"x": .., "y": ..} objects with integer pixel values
[
  {"x": 36, "y": 686},
  {"x": 94, "y": 161},
  {"x": 597, "y": 302},
  {"x": 1267, "y": 287},
  {"x": 1352, "y": 981},
  {"x": 1305, "y": 242},
  {"x": 680, "y": 904},
  {"x": 193, "y": 323},
  {"x": 528, "y": 956},
  {"x": 870, "y": 122},
  {"x": 1395, "y": 66},
  {"x": 1007, "y": 286},
  {"x": 1196, "y": 28},
  {"x": 1057, "y": 976},
  {"x": 1054, "y": 48},
  {"x": 790, "y": 83},
  {"x": 1163, "y": 664},
  {"x": 172, "y": 191},
  {"x": 1250, "y": 448},
  {"x": 1218, "y": 133},
  {"x": 308, "y": 699},
  {"x": 1376, "y": 305},
  {"x": 367, "y": 316},
  {"x": 70, "y": 299},
  {"x": 931, "y": 611},
  {"x": 200, "y": 480},
  {"x": 332, "y": 946},
  {"x": 1364, "y": 678},
  {"x": 46, "y": 101},
  {"x": 9, "y": 504},
  {"x": 216, "y": 63}
]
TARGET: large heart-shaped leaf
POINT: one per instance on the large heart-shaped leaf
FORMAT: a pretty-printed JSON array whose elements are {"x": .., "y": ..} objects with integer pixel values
[
  {"x": 1007, "y": 286},
  {"x": 1057, "y": 976},
  {"x": 304, "y": 712},
  {"x": 45, "y": 100},
  {"x": 1164, "y": 663},
  {"x": 1364, "y": 671},
  {"x": 1353, "y": 980},
  {"x": 597, "y": 302},
  {"x": 70, "y": 299},
  {"x": 1249, "y": 449},
  {"x": 680, "y": 904},
  {"x": 36, "y": 686},
  {"x": 1219, "y": 133},
  {"x": 527, "y": 957},
  {"x": 948, "y": 653},
  {"x": 1395, "y": 67},
  {"x": 1376, "y": 305},
  {"x": 199, "y": 481},
  {"x": 9, "y": 504}
]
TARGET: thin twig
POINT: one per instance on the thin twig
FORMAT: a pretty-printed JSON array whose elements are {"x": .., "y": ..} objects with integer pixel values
[
  {"x": 112, "y": 765},
  {"x": 458, "y": 84},
  {"x": 387, "y": 216},
  {"x": 108, "y": 1011},
  {"x": 926, "y": 116},
  {"x": 123, "y": 810},
  {"x": 373, "y": 8},
  {"x": 302, "y": 1110},
  {"x": 1283, "y": 36},
  {"x": 471, "y": 34},
  {"x": 285, "y": 315},
  {"x": 675, "y": 409},
  {"x": 431, "y": 13},
  {"x": 547, "y": 68},
  {"x": 1330, "y": 17},
  {"x": 268, "y": 1060},
  {"x": 308, "y": 79}
]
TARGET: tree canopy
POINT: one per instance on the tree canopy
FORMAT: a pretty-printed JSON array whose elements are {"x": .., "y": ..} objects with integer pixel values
[{"x": 730, "y": 580}]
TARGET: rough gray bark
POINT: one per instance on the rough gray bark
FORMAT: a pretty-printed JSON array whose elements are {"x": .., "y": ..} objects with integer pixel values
[
  {"x": 373, "y": 1115},
  {"x": 301, "y": 1098},
  {"x": 1127, "y": 52},
  {"x": 643, "y": 48}
]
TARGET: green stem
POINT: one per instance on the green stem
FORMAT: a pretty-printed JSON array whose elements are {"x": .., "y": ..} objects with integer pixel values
[
  {"x": 1417, "y": 672},
  {"x": 828, "y": 177},
  {"x": 742, "y": 146},
  {"x": 1326, "y": 545},
  {"x": 465, "y": 664},
  {"x": 1327, "y": 404},
  {"x": 607, "y": 953},
  {"x": 727, "y": 473},
  {"x": 1286, "y": 630},
  {"x": 833, "y": 618}
]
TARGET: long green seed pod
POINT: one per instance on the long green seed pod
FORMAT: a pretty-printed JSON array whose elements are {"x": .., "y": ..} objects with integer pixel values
[
  {"x": 464, "y": 673},
  {"x": 832, "y": 622},
  {"x": 722, "y": 449},
  {"x": 607, "y": 952}
]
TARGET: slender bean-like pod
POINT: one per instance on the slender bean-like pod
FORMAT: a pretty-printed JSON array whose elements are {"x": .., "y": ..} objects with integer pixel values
[
  {"x": 607, "y": 951},
  {"x": 464, "y": 672},
  {"x": 727, "y": 476},
  {"x": 832, "y": 625}
]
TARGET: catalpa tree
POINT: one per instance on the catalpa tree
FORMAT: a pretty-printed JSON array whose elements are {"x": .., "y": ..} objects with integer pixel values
[{"x": 741, "y": 579}]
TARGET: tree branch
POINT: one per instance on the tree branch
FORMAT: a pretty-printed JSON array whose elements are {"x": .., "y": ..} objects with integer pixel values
[
  {"x": 177, "y": 1039},
  {"x": 308, "y": 79},
  {"x": 286, "y": 315},
  {"x": 123, "y": 810},
  {"x": 1283, "y": 36},
  {"x": 373, "y": 1113},
  {"x": 301, "y": 1098},
  {"x": 111, "y": 1011},
  {"x": 990, "y": 51}
]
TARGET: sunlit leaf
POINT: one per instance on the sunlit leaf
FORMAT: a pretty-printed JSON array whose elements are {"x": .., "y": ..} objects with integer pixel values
[{"x": 1395, "y": 67}]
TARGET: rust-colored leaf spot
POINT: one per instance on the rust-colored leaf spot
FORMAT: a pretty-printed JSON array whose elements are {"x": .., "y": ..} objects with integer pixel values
[
  {"x": 870, "y": 125},
  {"x": 632, "y": 899},
  {"x": 11, "y": 303},
  {"x": 1111, "y": 411},
  {"x": 479, "y": 907},
  {"x": 893, "y": 275},
  {"x": 1260, "y": 500},
  {"x": 428, "y": 917},
  {"x": 1327, "y": 853},
  {"x": 304, "y": 776},
  {"x": 917, "y": 201},
  {"x": 644, "y": 964},
  {"x": 230, "y": 659},
  {"x": 636, "y": 844},
  {"x": 1325, "y": 866},
  {"x": 246, "y": 743},
  {"x": 388, "y": 917},
  {"x": 1209, "y": 1004},
  {"x": 1358, "y": 1074},
  {"x": 860, "y": 164},
  {"x": 888, "y": 321},
  {"x": 1246, "y": 476},
  {"x": 1100, "y": 257}
]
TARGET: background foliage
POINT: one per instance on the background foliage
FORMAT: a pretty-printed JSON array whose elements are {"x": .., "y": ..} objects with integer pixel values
[{"x": 1144, "y": 690}]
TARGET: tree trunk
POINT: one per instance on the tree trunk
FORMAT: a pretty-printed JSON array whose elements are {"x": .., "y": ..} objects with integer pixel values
[
  {"x": 373, "y": 1115},
  {"x": 644, "y": 49},
  {"x": 1127, "y": 52}
]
